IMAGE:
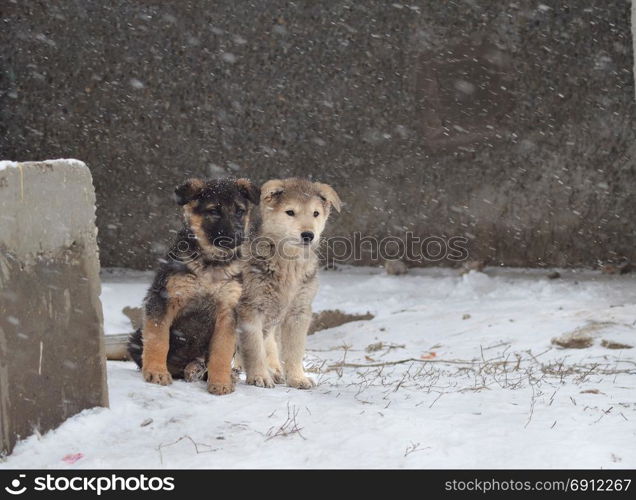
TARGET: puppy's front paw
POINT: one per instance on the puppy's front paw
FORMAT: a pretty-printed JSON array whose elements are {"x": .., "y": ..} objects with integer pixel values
[
  {"x": 157, "y": 376},
  {"x": 220, "y": 388},
  {"x": 260, "y": 381},
  {"x": 300, "y": 382}
]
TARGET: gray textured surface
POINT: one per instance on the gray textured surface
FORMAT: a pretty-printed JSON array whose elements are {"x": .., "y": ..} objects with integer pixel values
[
  {"x": 52, "y": 360},
  {"x": 510, "y": 123}
]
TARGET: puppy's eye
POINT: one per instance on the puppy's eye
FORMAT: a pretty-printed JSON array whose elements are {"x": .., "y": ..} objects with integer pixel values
[
  {"x": 316, "y": 213},
  {"x": 214, "y": 211},
  {"x": 290, "y": 213},
  {"x": 240, "y": 211}
]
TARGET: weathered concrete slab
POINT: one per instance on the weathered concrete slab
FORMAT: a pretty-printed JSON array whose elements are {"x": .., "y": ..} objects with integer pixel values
[{"x": 52, "y": 361}]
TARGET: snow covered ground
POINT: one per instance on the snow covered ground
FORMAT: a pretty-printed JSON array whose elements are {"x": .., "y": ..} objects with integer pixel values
[{"x": 453, "y": 372}]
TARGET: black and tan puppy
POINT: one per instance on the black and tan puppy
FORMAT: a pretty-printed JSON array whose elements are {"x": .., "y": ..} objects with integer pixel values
[{"x": 190, "y": 307}]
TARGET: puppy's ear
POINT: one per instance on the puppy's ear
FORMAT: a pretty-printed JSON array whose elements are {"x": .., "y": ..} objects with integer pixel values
[
  {"x": 271, "y": 189},
  {"x": 327, "y": 193},
  {"x": 250, "y": 190},
  {"x": 188, "y": 191}
]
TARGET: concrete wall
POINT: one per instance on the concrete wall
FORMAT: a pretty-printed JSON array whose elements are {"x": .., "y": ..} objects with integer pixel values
[
  {"x": 510, "y": 123},
  {"x": 634, "y": 34},
  {"x": 52, "y": 360}
]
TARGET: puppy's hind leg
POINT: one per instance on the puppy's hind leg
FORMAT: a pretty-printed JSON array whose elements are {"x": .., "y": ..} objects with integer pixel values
[
  {"x": 195, "y": 370},
  {"x": 253, "y": 353}
]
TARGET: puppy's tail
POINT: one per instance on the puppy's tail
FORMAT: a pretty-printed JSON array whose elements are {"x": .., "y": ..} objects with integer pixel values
[{"x": 136, "y": 346}]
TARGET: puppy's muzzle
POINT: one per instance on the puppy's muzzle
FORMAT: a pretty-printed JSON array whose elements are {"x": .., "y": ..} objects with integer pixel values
[{"x": 306, "y": 237}]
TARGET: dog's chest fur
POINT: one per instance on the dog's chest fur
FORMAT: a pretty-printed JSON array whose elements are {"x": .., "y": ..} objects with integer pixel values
[
  {"x": 218, "y": 281},
  {"x": 211, "y": 274},
  {"x": 275, "y": 287}
]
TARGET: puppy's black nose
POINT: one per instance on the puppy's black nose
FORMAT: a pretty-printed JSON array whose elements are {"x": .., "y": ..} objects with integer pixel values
[{"x": 307, "y": 236}]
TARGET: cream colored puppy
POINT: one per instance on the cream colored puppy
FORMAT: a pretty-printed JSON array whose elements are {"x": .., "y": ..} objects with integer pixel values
[{"x": 280, "y": 282}]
